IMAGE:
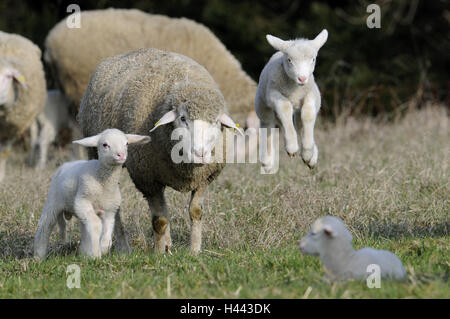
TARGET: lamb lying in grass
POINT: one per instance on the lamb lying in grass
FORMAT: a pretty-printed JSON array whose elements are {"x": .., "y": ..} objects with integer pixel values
[
  {"x": 90, "y": 191},
  {"x": 332, "y": 242}
]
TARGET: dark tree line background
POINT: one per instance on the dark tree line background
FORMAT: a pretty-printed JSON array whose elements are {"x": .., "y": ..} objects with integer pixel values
[{"x": 359, "y": 70}]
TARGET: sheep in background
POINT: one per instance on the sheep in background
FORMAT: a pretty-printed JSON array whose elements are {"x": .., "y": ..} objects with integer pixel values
[
  {"x": 150, "y": 89},
  {"x": 46, "y": 126},
  {"x": 22, "y": 90},
  {"x": 73, "y": 54},
  {"x": 332, "y": 242},
  {"x": 287, "y": 95},
  {"x": 90, "y": 191}
]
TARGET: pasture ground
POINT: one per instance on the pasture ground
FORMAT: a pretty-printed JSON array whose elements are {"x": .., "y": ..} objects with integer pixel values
[{"x": 389, "y": 182}]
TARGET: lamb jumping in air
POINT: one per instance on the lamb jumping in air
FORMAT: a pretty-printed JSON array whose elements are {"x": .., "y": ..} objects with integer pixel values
[
  {"x": 90, "y": 191},
  {"x": 332, "y": 242},
  {"x": 287, "y": 95}
]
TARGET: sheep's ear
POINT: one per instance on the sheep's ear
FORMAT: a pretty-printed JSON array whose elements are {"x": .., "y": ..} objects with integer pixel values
[
  {"x": 277, "y": 43},
  {"x": 227, "y": 121},
  {"x": 329, "y": 231},
  {"x": 167, "y": 118},
  {"x": 137, "y": 139},
  {"x": 17, "y": 76},
  {"x": 91, "y": 141},
  {"x": 320, "y": 39}
]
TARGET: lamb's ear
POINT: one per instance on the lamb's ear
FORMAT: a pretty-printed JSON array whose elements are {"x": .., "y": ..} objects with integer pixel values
[
  {"x": 91, "y": 141},
  {"x": 167, "y": 118},
  {"x": 320, "y": 39},
  {"x": 137, "y": 139},
  {"x": 227, "y": 121},
  {"x": 277, "y": 43},
  {"x": 329, "y": 231}
]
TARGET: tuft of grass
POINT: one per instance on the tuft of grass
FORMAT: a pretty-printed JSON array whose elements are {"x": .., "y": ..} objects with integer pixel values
[{"x": 389, "y": 182}]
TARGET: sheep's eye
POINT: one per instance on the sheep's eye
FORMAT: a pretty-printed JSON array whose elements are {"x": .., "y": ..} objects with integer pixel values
[
  {"x": 105, "y": 145},
  {"x": 183, "y": 118},
  {"x": 289, "y": 60}
]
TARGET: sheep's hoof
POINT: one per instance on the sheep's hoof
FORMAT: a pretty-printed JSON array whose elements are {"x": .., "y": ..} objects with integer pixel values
[
  {"x": 291, "y": 155},
  {"x": 309, "y": 165},
  {"x": 160, "y": 224}
]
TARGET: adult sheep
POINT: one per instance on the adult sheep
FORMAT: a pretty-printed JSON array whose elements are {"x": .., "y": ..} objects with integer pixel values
[
  {"x": 74, "y": 53},
  {"x": 22, "y": 89},
  {"x": 153, "y": 90}
]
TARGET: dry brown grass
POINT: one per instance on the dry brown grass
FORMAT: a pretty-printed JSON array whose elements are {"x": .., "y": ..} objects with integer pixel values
[{"x": 388, "y": 180}]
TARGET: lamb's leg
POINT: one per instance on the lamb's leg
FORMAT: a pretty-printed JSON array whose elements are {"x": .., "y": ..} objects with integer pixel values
[
  {"x": 45, "y": 227},
  {"x": 267, "y": 122},
  {"x": 62, "y": 228},
  {"x": 285, "y": 114},
  {"x": 160, "y": 221},
  {"x": 308, "y": 118},
  {"x": 122, "y": 244},
  {"x": 46, "y": 137},
  {"x": 107, "y": 231},
  {"x": 91, "y": 228},
  {"x": 195, "y": 213}
]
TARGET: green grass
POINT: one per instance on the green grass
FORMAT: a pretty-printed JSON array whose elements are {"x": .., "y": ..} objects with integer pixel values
[
  {"x": 388, "y": 182},
  {"x": 246, "y": 273}
]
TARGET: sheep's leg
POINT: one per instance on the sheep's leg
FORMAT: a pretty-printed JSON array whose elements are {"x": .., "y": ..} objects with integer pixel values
[
  {"x": 122, "y": 244},
  {"x": 91, "y": 228},
  {"x": 107, "y": 231},
  {"x": 195, "y": 213},
  {"x": 4, "y": 152},
  {"x": 46, "y": 137},
  {"x": 45, "y": 227},
  {"x": 160, "y": 221},
  {"x": 33, "y": 141},
  {"x": 308, "y": 118}
]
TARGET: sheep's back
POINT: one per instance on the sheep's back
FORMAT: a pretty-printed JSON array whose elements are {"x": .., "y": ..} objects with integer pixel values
[{"x": 76, "y": 52}]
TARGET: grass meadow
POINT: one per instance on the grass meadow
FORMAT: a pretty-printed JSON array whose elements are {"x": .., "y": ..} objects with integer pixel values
[{"x": 389, "y": 182}]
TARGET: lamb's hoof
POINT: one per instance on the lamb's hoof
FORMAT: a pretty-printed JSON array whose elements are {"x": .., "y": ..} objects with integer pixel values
[
  {"x": 291, "y": 155},
  {"x": 309, "y": 156}
]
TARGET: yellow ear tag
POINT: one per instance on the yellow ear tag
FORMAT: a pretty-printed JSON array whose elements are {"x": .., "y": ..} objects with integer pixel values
[
  {"x": 156, "y": 124},
  {"x": 237, "y": 125},
  {"x": 21, "y": 79}
]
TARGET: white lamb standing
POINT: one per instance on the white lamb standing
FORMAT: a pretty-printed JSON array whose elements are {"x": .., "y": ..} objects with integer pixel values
[
  {"x": 288, "y": 94},
  {"x": 90, "y": 191},
  {"x": 332, "y": 242}
]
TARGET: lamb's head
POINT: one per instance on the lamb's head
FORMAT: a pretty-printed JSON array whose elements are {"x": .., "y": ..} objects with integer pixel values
[
  {"x": 112, "y": 145},
  {"x": 299, "y": 56},
  {"x": 9, "y": 77},
  {"x": 325, "y": 232},
  {"x": 197, "y": 114}
]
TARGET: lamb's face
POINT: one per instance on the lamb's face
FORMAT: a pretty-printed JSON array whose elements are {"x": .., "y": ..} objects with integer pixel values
[
  {"x": 323, "y": 233},
  {"x": 112, "y": 145},
  {"x": 299, "y": 56},
  {"x": 299, "y": 61},
  {"x": 112, "y": 148}
]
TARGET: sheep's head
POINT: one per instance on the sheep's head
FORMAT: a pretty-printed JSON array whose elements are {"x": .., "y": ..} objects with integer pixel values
[
  {"x": 324, "y": 233},
  {"x": 197, "y": 114},
  {"x": 9, "y": 77},
  {"x": 112, "y": 145},
  {"x": 299, "y": 56}
]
